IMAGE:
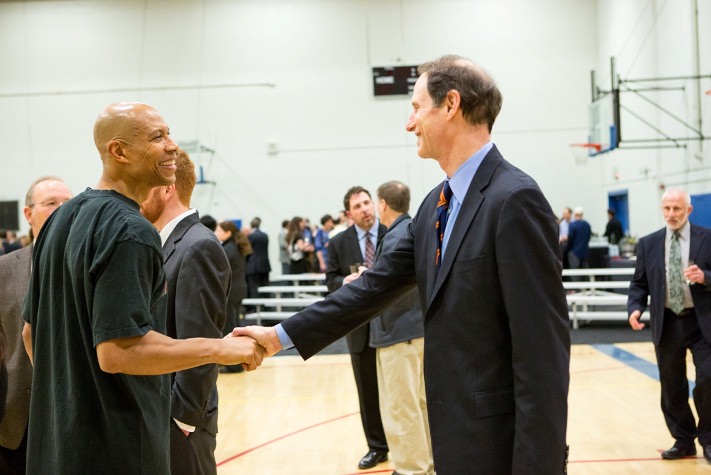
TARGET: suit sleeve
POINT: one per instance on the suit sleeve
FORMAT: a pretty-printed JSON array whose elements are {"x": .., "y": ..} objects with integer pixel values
[
  {"x": 639, "y": 286},
  {"x": 200, "y": 306},
  {"x": 353, "y": 305},
  {"x": 529, "y": 271},
  {"x": 334, "y": 276}
]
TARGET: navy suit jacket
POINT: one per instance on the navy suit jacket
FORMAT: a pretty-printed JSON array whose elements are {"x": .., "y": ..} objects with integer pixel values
[
  {"x": 497, "y": 343},
  {"x": 649, "y": 282},
  {"x": 198, "y": 275},
  {"x": 344, "y": 251}
]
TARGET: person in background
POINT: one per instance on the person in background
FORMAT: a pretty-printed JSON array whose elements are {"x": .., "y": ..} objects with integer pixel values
[
  {"x": 673, "y": 273},
  {"x": 483, "y": 251},
  {"x": 579, "y": 233},
  {"x": 347, "y": 251},
  {"x": 44, "y": 196},
  {"x": 284, "y": 247},
  {"x": 297, "y": 246},
  {"x": 95, "y": 315},
  {"x": 321, "y": 241},
  {"x": 398, "y": 338},
  {"x": 209, "y": 222},
  {"x": 613, "y": 229},
  {"x": 237, "y": 248},
  {"x": 198, "y": 277},
  {"x": 258, "y": 266},
  {"x": 563, "y": 229},
  {"x": 11, "y": 243}
]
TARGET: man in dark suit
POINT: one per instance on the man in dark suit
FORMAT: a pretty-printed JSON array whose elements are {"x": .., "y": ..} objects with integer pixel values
[
  {"x": 44, "y": 196},
  {"x": 198, "y": 276},
  {"x": 579, "y": 233},
  {"x": 258, "y": 266},
  {"x": 497, "y": 343},
  {"x": 346, "y": 252},
  {"x": 673, "y": 271}
]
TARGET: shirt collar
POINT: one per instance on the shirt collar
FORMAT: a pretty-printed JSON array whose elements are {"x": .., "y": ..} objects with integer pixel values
[
  {"x": 168, "y": 228},
  {"x": 462, "y": 178},
  {"x": 374, "y": 230}
]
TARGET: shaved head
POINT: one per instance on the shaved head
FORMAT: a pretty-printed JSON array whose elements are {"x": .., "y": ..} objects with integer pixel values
[
  {"x": 119, "y": 121},
  {"x": 137, "y": 152}
]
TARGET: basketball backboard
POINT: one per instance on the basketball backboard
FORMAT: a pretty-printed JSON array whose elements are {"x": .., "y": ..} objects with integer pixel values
[{"x": 603, "y": 124}]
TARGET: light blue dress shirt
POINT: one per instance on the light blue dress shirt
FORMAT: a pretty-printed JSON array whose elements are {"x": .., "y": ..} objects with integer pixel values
[{"x": 459, "y": 182}]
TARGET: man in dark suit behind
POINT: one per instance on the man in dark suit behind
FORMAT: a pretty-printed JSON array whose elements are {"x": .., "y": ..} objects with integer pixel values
[
  {"x": 258, "y": 266},
  {"x": 673, "y": 271},
  {"x": 345, "y": 250},
  {"x": 44, "y": 196},
  {"x": 497, "y": 342},
  {"x": 198, "y": 276}
]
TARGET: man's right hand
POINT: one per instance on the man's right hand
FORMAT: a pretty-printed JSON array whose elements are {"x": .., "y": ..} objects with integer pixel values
[
  {"x": 243, "y": 350},
  {"x": 266, "y": 336},
  {"x": 634, "y": 320}
]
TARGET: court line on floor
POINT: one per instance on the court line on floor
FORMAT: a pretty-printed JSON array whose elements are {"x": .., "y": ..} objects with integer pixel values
[
  {"x": 303, "y": 429},
  {"x": 633, "y": 361}
]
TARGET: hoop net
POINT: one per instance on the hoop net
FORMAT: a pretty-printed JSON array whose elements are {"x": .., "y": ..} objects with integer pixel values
[{"x": 581, "y": 151}]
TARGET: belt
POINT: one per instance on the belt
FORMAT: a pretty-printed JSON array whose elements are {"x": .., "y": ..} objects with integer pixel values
[{"x": 687, "y": 312}]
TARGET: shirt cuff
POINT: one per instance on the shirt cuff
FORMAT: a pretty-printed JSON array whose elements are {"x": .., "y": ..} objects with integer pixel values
[{"x": 284, "y": 339}]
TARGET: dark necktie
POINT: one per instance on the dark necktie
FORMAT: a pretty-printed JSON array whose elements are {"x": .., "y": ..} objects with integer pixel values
[
  {"x": 442, "y": 215},
  {"x": 676, "y": 283},
  {"x": 369, "y": 251}
]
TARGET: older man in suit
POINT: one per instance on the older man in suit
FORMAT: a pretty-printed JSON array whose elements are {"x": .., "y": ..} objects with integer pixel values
[
  {"x": 352, "y": 249},
  {"x": 198, "y": 275},
  {"x": 44, "y": 196},
  {"x": 673, "y": 271},
  {"x": 483, "y": 251}
]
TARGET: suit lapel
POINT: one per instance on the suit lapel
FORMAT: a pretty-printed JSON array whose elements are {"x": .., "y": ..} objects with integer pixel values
[
  {"x": 695, "y": 243},
  {"x": 465, "y": 219},
  {"x": 177, "y": 235},
  {"x": 23, "y": 267}
]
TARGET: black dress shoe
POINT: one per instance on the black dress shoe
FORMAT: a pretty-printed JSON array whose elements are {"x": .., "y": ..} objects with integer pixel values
[
  {"x": 678, "y": 452},
  {"x": 707, "y": 452},
  {"x": 372, "y": 458}
]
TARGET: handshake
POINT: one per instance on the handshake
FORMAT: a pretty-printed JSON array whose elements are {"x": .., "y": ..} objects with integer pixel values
[{"x": 249, "y": 345}]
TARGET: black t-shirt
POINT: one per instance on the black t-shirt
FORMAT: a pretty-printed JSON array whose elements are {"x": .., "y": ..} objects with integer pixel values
[{"x": 97, "y": 276}]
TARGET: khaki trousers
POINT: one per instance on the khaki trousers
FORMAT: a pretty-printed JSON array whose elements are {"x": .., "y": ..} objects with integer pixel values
[{"x": 403, "y": 406}]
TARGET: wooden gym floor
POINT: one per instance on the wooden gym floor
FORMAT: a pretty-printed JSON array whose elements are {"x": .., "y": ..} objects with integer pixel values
[{"x": 301, "y": 418}]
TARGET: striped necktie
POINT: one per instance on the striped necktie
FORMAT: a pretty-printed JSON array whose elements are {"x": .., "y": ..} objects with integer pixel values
[
  {"x": 369, "y": 251},
  {"x": 442, "y": 215}
]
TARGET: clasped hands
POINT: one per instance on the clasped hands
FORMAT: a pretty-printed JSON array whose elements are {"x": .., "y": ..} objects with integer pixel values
[{"x": 253, "y": 344}]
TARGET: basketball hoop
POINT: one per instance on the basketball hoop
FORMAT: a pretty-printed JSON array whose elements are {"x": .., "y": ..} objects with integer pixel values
[{"x": 581, "y": 151}]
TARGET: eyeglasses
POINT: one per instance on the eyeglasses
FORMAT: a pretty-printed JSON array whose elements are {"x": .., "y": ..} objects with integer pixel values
[{"x": 50, "y": 203}]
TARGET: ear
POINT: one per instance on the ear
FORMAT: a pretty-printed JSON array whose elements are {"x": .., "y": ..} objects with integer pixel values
[
  {"x": 27, "y": 211},
  {"x": 167, "y": 192},
  {"x": 452, "y": 102},
  {"x": 117, "y": 151}
]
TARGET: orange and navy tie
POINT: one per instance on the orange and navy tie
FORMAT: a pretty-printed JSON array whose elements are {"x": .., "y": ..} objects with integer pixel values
[{"x": 442, "y": 214}]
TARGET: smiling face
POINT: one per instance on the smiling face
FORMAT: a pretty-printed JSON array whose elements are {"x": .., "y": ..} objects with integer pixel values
[
  {"x": 136, "y": 149},
  {"x": 152, "y": 150},
  {"x": 426, "y": 120}
]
